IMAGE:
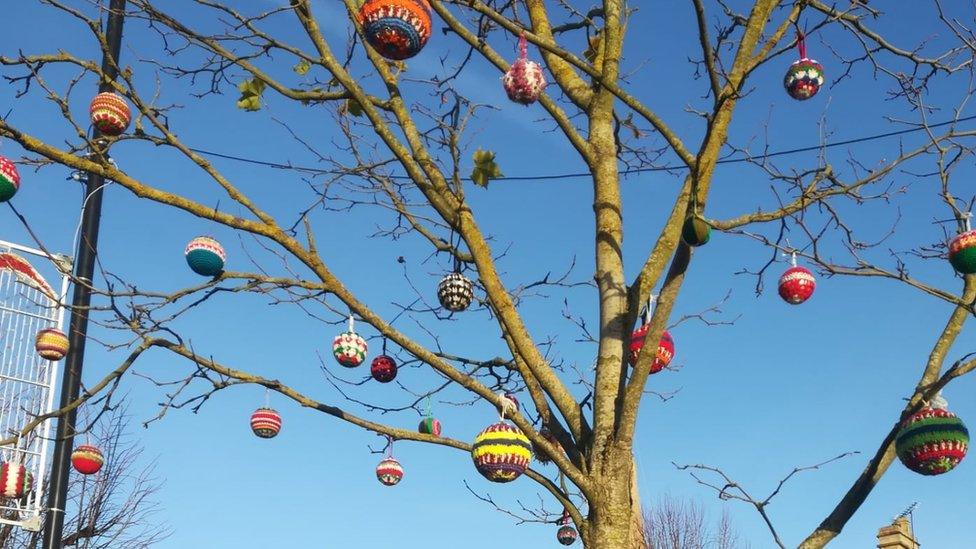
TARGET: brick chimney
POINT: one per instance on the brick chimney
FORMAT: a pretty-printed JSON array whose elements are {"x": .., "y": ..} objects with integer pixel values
[{"x": 897, "y": 536}]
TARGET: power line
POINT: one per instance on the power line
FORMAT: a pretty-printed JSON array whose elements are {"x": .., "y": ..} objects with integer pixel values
[{"x": 576, "y": 175}]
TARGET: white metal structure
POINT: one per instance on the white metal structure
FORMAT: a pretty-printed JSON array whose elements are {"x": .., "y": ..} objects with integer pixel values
[{"x": 28, "y": 304}]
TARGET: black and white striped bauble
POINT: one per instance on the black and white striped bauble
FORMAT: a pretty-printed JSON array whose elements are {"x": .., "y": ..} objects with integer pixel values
[{"x": 455, "y": 292}]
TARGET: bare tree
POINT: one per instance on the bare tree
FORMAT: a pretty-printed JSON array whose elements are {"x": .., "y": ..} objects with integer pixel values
[
  {"x": 113, "y": 508},
  {"x": 400, "y": 148},
  {"x": 672, "y": 523}
]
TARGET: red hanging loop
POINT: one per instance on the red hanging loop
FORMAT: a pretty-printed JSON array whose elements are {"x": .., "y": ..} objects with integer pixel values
[
  {"x": 523, "y": 46},
  {"x": 565, "y": 519},
  {"x": 801, "y": 44}
]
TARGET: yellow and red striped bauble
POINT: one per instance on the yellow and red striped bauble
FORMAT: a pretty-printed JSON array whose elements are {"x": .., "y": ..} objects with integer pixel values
[
  {"x": 87, "y": 459},
  {"x": 266, "y": 423},
  {"x": 9, "y": 179},
  {"x": 51, "y": 344},
  {"x": 501, "y": 453},
  {"x": 110, "y": 113},
  {"x": 15, "y": 480}
]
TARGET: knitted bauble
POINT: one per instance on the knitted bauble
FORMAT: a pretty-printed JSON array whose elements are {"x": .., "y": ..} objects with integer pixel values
[
  {"x": 397, "y": 29},
  {"x": 110, "y": 113},
  {"x": 962, "y": 252},
  {"x": 525, "y": 80},
  {"x": 266, "y": 423},
  {"x": 15, "y": 480},
  {"x": 566, "y": 535},
  {"x": 87, "y": 459},
  {"x": 797, "y": 285},
  {"x": 932, "y": 441},
  {"x": 540, "y": 455},
  {"x": 349, "y": 349},
  {"x": 205, "y": 256},
  {"x": 51, "y": 344},
  {"x": 695, "y": 231},
  {"x": 389, "y": 471},
  {"x": 665, "y": 348},
  {"x": 430, "y": 426},
  {"x": 383, "y": 369},
  {"x": 803, "y": 79},
  {"x": 455, "y": 292},
  {"x": 9, "y": 179},
  {"x": 501, "y": 453}
]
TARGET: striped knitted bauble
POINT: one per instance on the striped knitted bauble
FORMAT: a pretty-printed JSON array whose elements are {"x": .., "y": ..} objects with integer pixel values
[
  {"x": 455, "y": 292},
  {"x": 9, "y": 179},
  {"x": 15, "y": 480},
  {"x": 349, "y": 349},
  {"x": 962, "y": 252},
  {"x": 566, "y": 535},
  {"x": 87, "y": 459},
  {"x": 383, "y": 369},
  {"x": 430, "y": 426},
  {"x": 389, "y": 472},
  {"x": 796, "y": 285},
  {"x": 51, "y": 344},
  {"x": 110, "y": 113},
  {"x": 525, "y": 80},
  {"x": 665, "y": 348},
  {"x": 501, "y": 453},
  {"x": 932, "y": 441},
  {"x": 397, "y": 29},
  {"x": 266, "y": 423},
  {"x": 695, "y": 231},
  {"x": 803, "y": 79},
  {"x": 205, "y": 256}
]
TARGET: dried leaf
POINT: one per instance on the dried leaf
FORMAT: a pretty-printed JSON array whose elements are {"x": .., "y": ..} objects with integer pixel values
[{"x": 302, "y": 67}]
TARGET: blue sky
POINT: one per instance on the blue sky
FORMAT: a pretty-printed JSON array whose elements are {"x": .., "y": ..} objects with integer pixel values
[{"x": 783, "y": 387}]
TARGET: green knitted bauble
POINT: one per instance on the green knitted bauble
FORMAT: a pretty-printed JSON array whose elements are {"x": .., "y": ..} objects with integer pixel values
[
  {"x": 932, "y": 441},
  {"x": 695, "y": 231}
]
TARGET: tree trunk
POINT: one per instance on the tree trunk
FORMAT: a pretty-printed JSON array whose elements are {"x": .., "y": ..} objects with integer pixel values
[{"x": 614, "y": 519}]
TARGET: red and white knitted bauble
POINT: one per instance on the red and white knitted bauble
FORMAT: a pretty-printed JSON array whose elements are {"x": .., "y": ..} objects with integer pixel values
[
  {"x": 389, "y": 472},
  {"x": 110, "y": 113},
  {"x": 665, "y": 348},
  {"x": 797, "y": 285},
  {"x": 15, "y": 480},
  {"x": 525, "y": 80},
  {"x": 266, "y": 422},
  {"x": 87, "y": 459},
  {"x": 9, "y": 179},
  {"x": 349, "y": 349}
]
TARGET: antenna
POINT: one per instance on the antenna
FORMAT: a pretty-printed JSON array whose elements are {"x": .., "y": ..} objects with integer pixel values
[{"x": 907, "y": 512}]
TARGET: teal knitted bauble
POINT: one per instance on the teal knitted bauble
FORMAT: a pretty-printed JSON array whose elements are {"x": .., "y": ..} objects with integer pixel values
[
  {"x": 205, "y": 256},
  {"x": 962, "y": 252}
]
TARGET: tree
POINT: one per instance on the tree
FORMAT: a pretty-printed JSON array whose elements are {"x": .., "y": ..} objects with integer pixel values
[
  {"x": 400, "y": 145},
  {"x": 676, "y": 524},
  {"x": 115, "y": 507}
]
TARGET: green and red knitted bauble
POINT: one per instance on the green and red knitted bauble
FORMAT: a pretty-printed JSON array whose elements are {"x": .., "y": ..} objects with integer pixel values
[
  {"x": 205, "y": 256},
  {"x": 9, "y": 179},
  {"x": 932, "y": 441},
  {"x": 266, "y": 423},
  {"x": 501, "y": 453},
  {"x": 566, "y": 534},
  {"x": 110, "y": 113},
  {"x": 15, "y": 480},
  {"x": 383, "y": 369},
  {"x": 695, "y": 231},
  {"x": 430, "y": 426},
  {"x": 797, "y": 285},
  {"x": 349, "y": 349},
  {"x": 805, "y": 76},
  {"x": 389, "y": 472},
  {"x": 665, "y": 348},
  {"x": 397, "y": 29},
  {"x": 525, "y": 80},
  {"x": 962, "y": 252},
  {"x": 51, "y": 344},
  {"x": 87, "y": 459}
]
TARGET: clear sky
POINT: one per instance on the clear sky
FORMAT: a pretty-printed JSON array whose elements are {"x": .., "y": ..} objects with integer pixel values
[{"x": 782, "y": 387}]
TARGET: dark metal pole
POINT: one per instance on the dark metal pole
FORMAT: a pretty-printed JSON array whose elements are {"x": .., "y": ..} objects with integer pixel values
[{"x": 81, "y": 299}]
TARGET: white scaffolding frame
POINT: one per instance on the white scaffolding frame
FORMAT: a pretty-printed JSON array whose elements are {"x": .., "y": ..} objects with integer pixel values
[{"x": 27, "y": 381}]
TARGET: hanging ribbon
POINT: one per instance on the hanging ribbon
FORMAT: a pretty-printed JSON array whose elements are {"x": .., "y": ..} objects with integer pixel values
[
  {"x": 565, "y": 520},
  {"x": 939, "y": 402},
  {"x": 389, "y": 447},
  {"x": 267, "y": 397},
  {"x": 427, "y": 412},
  {"x": 801, "y": 43},
  {"x": 352, "y": 324},
  {"x": 967, "y": 220},
  {"x": 648, "y": 311},
  {"x": 793, "y": 258},
  {"x": 523, "y": 46}
]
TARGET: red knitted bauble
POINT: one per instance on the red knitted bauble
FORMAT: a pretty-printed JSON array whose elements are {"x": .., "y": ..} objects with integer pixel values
[
  {"x": 383, "y": 369},
  {"x": 266, "y": 423},
  {"x": 797, "y": 285},
  {"x": 525, "y": 80},
  {"x": 665, "y": 348},
  {"x": 87, "y": 459}
]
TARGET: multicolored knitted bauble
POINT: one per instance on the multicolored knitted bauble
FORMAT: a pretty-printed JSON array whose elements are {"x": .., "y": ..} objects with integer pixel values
[
  {"x": 349, "y": 349},
  {"x": 205, "y": 256},
  {"x": 266, "y": 423},
  {"x": 110, "y": 113},
  {"x": 383, "y": 369},
  {"x": 932, "y": 441},
  {"x": 501, "y": 453},
  {"x": 430, "y": 426},
  {"x": 665, "y": 348},
  {"x": 455, "y": 292},
  {"x": 540, "y": 455},
  {"x": 797, "y": 285},
  {"x": 803, "y": 79},
  {"x": 389, "y": 472},
  {"x": 397, "y": 29},
  {"x": 566, "y": 535},
  {"x": 9, "y": 179},
  {"x": 524, "y": 81},
  {"x": 696, "y": 232},
  {"x": 15, "y": 480},
  {"x": 962, "y": 252},
  {"x": 87, "y": 459},
  {"x": 51, "y": 344}
]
